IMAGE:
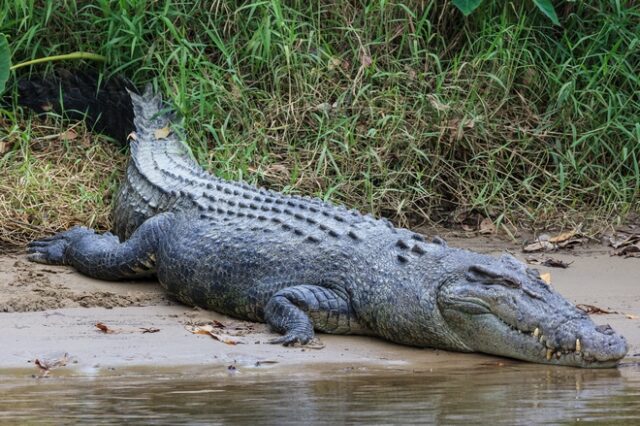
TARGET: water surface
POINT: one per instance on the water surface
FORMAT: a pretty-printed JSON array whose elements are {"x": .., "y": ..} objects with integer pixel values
[{"x": 497, "y": 393}]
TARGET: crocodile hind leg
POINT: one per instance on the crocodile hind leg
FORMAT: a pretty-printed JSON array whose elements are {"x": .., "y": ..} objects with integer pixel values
[
  {"x": 103, "y": 256},
  {"x": 296, "y": 311}
]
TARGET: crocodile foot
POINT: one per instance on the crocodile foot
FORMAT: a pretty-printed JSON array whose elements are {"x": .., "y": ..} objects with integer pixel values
[{"x": 51, "y": 250}]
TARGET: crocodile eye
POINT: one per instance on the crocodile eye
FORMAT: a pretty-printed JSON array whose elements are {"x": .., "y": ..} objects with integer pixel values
[{"x": 489, "y": 275}]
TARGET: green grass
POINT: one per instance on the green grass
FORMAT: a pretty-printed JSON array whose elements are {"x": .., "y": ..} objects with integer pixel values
[{"x": 403, "y": 109}]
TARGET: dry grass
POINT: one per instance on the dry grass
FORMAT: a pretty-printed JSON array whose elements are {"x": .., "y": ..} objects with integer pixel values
[{"x": 56, "y": 178}]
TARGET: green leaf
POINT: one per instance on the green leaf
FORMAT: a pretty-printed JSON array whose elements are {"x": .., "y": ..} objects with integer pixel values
[
  {"x": 467, "y": 6},
  {"x": 546, "y": 7},
  {"x": 5, "y": 61}
]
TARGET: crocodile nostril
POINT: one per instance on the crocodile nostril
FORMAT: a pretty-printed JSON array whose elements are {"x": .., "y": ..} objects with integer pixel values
[{"x": 605, "y": 329}]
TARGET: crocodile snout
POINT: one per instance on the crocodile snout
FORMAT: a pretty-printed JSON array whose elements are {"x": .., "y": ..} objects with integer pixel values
[{"x": 604, "y": 344}]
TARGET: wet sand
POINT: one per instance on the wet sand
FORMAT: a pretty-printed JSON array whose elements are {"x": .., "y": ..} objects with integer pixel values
[{"x": 47, "y": 311}]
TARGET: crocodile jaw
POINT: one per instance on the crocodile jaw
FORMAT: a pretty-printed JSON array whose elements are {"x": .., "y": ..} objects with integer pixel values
[{"x": 592, "y": 347}]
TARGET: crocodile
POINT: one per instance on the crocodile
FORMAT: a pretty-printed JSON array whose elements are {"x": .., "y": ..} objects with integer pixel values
[{"x": 303, "y": 265}]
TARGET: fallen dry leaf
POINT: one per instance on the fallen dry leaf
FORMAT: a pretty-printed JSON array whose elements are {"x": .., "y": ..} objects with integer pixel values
[
  {"x": 225, "y": 340},
  {"x": 109, "y": 330},
  {"x": 571, "y": 242},
  {"x": 208, "y": 329},
  {"x": 236, "y": 93},
  {"x": 539, "y": 246},
  {"x": 5, "y": 147},
  {"x": 547, "y": 243},
  {"x": 626, "y": 242},
  {"x": 563, "y": 236},
  {"x": 631, "y": 250},
  {"x": 334, "y": 63},
  {"x": 617, "y": 241},
  {"x": 162, "y": 133},
  {"x": 546, "y": 277},
  {"x": 103, "y": 328},
  {"x": 47, "y": 365},
  {"x": 592, "y": 309},
  {"x": 437, "y": 104},
  {"x": 41, "y": 364},
  {"x": 625, "y": 236},
  {"x": 69, "y": 135},
  {"x": 365, "y": 59},
  {"x": 555, "y": 263},
  {"x": 487, "y": 226},
  {"x": 595, "y": 310}
]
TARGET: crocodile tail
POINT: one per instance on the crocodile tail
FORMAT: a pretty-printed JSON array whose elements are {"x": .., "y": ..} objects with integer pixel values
[
  {"x": 105, "y": 105},
  {"x": 160, "y": 167}
]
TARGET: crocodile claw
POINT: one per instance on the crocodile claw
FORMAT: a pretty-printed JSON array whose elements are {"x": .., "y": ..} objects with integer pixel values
[{"x": 291, "y": 339}]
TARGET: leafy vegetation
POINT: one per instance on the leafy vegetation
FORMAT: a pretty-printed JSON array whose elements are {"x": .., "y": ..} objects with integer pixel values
[
  {"x": 545, "y": 6},
  {"x": 405, "y": 109},
  {"x": 5, "y": 61}
]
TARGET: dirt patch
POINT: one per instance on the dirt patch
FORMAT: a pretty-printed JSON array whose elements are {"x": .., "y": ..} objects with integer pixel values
[{"x": 26, "y": 286}]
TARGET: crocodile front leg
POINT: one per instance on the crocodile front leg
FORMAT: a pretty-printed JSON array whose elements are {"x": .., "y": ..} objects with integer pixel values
[
  {"x": 296, "y": 311},
  {"x": 103, "y": 256}
]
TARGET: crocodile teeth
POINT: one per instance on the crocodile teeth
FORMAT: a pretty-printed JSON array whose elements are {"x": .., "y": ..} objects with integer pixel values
[
  {"x": 549, "y": 354},
  {"x": 541, "y": 338},
  {"x": 578, "y": 345},
  {"x": 536, "y": 332}
]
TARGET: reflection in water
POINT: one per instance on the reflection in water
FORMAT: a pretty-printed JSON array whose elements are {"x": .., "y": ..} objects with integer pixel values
[{"x": 511, "y": 394}]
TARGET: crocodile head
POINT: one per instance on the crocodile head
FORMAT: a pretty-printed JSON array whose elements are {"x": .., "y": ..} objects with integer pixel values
[{"x": 501, "y": 307}]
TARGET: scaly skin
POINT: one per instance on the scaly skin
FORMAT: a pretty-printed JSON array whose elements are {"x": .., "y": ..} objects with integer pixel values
[{"x": 301, "y": 265}]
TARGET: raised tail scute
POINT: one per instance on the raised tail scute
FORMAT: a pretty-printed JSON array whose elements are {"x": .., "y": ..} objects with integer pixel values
[
  {"x": 154, "y": 137},
  {"x": 149, "y": 111}
]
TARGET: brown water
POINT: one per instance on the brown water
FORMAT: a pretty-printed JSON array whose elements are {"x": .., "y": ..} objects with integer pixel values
[{"x": 513, "y": 394}]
